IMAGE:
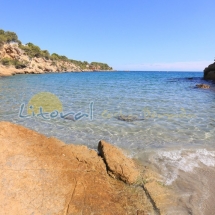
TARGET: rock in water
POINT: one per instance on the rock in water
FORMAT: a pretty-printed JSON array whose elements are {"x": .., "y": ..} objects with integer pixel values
[
  {"x": 203, "y": 86},
  {"x": 119, "y": 165},
  {"x": 209, "y": 72},
  {"x": 70, "y": 117},
  {"x": 128, "y": 118}
]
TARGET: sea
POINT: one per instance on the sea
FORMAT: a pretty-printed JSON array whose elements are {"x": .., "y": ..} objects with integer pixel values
[{"x": 160, "y": 118}]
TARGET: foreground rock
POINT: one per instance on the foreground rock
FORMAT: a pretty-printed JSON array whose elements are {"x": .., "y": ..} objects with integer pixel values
[
  {"x": 209, "y": 72},
  {"x": 42, "y": 176}
]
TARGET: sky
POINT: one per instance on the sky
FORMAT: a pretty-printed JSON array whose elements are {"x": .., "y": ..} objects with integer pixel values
[{"x": 149, "y": 35}]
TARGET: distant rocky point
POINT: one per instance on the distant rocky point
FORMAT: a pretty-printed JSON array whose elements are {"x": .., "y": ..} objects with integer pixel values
[
  {"x": 209, "y": 72},
  {"x": 17, "y": 58}
]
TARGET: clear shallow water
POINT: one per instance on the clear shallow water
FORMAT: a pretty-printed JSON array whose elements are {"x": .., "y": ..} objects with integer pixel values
[
  {"x": 175, "y": 133},
  {"x": 175, "y": 113}
]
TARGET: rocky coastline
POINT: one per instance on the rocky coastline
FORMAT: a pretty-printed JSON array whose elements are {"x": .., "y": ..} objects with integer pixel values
[
  {"x": 18, "y": 58},
  {"x": 36, "y": 65},
  {"x": 41, "y": 175}
]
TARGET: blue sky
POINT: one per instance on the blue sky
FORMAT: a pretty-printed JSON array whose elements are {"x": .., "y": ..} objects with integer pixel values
[{"x": 128, "y": 35}]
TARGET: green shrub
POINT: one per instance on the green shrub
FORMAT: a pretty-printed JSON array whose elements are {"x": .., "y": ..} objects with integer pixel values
[
  {"x": 6, "y": 61},
  {"x": 82, "y": 65},
  {"x": 34, "y": 51},
  {"x": 20, "y": 65},
  {"x": 16, "y": 63},
  {"x": 55, "y": 57},
  {"x": 101, "y": 66},
  {"x": 64, "y": 58},
  {"x": 31, "y": 50},
  {"x": 2, "y": 39},
  {"x": 8, "y": 36},
  {"x": 45, "y": 54}
]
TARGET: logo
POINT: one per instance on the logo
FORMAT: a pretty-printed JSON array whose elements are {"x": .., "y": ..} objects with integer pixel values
[{"x": 48, "y": 106}]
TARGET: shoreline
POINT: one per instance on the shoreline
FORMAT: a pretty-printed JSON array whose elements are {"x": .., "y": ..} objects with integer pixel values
[
  {"x": 12, "y": 71},
  {"x": 25, "y": 150},
  {"x": 28, "y": 157},
  {"x": 71, "y": 178}
]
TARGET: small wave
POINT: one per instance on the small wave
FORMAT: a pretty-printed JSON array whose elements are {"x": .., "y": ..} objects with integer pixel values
[{"x": 172, "y": 162}]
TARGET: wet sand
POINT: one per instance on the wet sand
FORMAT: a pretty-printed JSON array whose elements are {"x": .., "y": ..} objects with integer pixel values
[
  {"x": 190, "y": 174},
  {"x": 196, "y": 191}
]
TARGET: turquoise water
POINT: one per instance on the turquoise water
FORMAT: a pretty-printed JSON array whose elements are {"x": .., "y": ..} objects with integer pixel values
[
  {"x": 171, "y": 110},
  {"x": 173, "y": 130}
]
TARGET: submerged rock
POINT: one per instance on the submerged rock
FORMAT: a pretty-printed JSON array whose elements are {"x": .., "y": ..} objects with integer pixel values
[
  {"x": 128, "y": 118},
  {"x": 203, "y": 86},
  {"x": 69, "y": 117}
]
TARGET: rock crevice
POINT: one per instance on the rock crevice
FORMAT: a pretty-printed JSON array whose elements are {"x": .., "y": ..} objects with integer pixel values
[{"x": 118, "y": 164}]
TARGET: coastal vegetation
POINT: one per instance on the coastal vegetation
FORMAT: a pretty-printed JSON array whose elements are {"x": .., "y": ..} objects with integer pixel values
[
  {"x": 34, "y": 51},
  {"x": 13, "y": 62},
  {"x": 33, "y": 59},
  {"x": 7, "y": 37}
]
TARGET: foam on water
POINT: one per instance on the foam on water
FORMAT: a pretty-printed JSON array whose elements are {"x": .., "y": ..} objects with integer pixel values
[{"x": 171, "y": 162}]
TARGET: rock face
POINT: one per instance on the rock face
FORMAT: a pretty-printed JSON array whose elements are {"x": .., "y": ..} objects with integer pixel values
[
  {"x": 209, "y": 72},
  {"x": 42, "y": 176},
  {"x": 34, "y": 65},
  {"x": 118, "y": 165},
  {"x": 203, "y": 86}
]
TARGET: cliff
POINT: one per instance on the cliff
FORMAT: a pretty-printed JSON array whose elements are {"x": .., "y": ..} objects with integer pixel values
[
  {"x": 209, "y": 72},
  {"x": 16, "y": 58},
  {"x": 15, "y": 61}
]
